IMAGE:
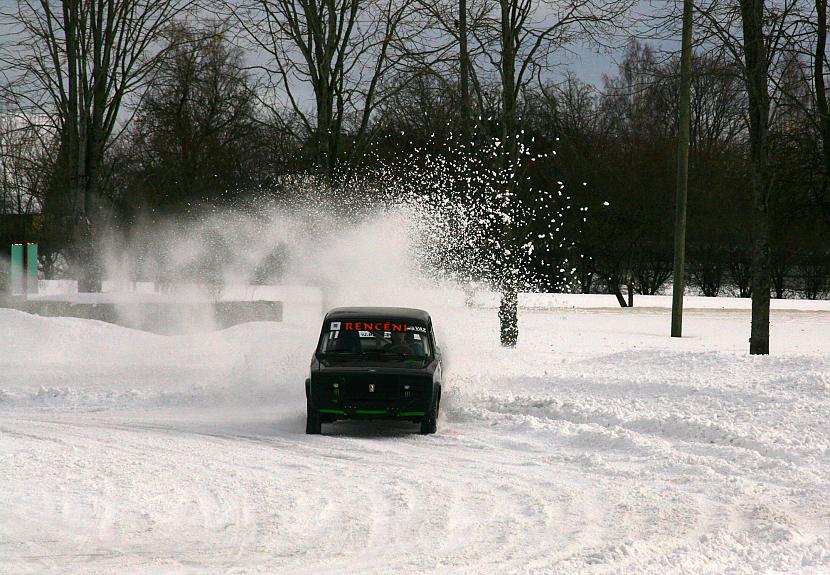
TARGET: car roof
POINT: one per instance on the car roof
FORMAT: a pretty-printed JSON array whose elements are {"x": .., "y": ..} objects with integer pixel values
[{"x": 379, "y": 312}]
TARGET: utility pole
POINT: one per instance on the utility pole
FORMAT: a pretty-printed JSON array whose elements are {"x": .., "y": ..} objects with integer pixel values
[{"x": 682, "y": 173}]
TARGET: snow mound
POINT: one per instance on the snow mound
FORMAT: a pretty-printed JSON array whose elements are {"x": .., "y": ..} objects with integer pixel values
[{"x": 55, "y": 363}]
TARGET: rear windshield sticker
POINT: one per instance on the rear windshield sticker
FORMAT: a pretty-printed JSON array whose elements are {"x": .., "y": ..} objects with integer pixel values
[{"x": 376, "y": 326}]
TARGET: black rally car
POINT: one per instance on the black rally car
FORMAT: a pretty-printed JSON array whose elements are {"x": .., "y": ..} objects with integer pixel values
[{"x": 375, "y": 363}]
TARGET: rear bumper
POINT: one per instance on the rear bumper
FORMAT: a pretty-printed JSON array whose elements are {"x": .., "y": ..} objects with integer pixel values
[
  {"x": 371, "y": 398},
  {"x": 373, "y": 412}
]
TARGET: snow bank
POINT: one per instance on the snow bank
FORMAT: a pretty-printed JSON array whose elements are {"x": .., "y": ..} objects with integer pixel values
[{"x": 84, "y": 364}]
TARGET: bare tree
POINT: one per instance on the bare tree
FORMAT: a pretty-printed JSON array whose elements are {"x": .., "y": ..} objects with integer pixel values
[
  {"x": 521, "y": 41},
  {"x": 754, "y": 33},
  {"x": 343, "y": 51},
  {"x": 819, "y": 110},
  {"x": 454, "y": 24},
  {"x": 26, "y": 157},
  {"x": 196, "y": 141},
  {"x": 74, "y": 62}
]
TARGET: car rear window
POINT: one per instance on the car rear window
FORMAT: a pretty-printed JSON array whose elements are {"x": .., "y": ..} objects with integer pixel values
[{"x": 392, "y": 338}]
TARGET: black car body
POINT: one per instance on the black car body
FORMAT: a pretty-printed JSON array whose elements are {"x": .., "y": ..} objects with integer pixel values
[{"x": 375, "y": 363}]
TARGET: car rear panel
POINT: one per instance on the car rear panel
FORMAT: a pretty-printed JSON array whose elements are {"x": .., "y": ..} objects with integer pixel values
[{"x": 371, "y": 394}]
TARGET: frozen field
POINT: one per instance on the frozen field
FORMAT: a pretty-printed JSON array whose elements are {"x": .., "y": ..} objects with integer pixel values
[{"x": 599, "y": 445}]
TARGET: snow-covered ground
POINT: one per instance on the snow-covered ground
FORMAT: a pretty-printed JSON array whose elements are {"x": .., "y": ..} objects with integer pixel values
[{"x": 598, "y": 445}]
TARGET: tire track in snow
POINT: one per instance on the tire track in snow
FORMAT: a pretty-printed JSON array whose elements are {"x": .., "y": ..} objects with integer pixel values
[{"x": 504, "y": 510}]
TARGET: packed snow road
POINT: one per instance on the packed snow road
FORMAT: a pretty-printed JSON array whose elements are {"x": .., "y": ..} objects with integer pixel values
[{"x": 599, "y": 445}]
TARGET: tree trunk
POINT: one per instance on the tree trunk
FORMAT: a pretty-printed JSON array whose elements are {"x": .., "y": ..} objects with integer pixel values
[
  {"x": 323, "y": 136},
  {"x": 508, "y": 311},
  {"x": 94, "y": 219},
  {"x": 778, "y": 277},
  {"x": 821, "y": 102},
  {"x": 70, "y": 116},
  {"x": 464, "y": 83},
  {"x": 76, "y": 130},
  {"x": 614, "y": 288},
  {"x": 586, "y": 279},
  {"x": 508, "y": 316},
  {"x": 684, "y": 119},
  {"x": 508, "y": 87},
  {"x": 755, "y": 55}
]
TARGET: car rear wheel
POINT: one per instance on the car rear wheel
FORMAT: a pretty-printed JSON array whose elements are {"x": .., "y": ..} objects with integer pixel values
[
  {"x": 313, "y": 423},
  {"x": 429, "y": 424}
]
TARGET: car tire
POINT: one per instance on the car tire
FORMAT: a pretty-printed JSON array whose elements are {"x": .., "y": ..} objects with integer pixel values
[
  {"x": 429, "y": 424},
  {"x": 313, "y": 423}
]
